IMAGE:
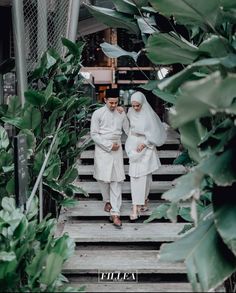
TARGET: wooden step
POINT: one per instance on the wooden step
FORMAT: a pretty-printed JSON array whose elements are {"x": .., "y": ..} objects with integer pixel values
[
  {"x": 163, "y": 170},
  {"x": 162, "y": 154},
  {"x": 133, "y": 287},
  {"x": 172, "y": 138},
  {"x": 93, "y": 187},
  {"x": 95, "y": 208},
  {"x": 130, "y": 232},
  {"x": 140, "y": 261}
]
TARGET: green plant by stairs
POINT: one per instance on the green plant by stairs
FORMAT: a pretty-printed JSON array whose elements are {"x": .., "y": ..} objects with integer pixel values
[
  {"x": 31, "y": 258},
  {"x": 56, "y": 93}
]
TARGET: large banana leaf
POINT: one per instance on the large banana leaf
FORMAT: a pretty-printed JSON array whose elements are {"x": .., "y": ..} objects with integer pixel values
[
  {"x": 204, "y": 254},
  {"x": 209, "y": 95},
  {"x": 186, "y": 186},
  {"x": 224, "y": 205},
  {"x": 174, "y": 82},
  {"x": 169, "y": 48},
  {"x": 189, "y": 11},
  {"x": 113, "y": 18}
]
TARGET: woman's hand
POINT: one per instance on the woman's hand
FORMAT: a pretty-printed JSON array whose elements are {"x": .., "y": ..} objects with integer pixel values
[
  {"x": 141, "y": 147},
  {"x": 120, "y": 109}
]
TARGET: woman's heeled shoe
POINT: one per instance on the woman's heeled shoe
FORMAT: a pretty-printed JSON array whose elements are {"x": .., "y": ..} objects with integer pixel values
[
  {"x": 133, "y": 217},
  {"x": 144, "y": 208}
]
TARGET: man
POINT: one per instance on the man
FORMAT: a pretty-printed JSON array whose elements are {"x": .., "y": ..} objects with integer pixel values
[{"x": 106, "y": 129}]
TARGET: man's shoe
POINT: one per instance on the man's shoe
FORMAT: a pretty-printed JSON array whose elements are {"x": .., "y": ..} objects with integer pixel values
[
  {"x": 116, "y": 221},
  {"x": 107, "y": 207}
]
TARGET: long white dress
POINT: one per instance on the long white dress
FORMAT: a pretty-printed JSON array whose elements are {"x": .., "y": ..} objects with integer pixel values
[{"x": 145, "y": 128}]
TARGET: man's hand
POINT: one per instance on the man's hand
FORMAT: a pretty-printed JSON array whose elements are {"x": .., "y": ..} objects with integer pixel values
[
  {"x": 120, "y": 109},
  {"x": 115, "y": 146},
  {"x": 141, "y": 147}
]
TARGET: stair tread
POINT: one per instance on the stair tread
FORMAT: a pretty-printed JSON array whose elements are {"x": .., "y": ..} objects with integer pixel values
[
  {"x": 163, "y": 170},
  {"x": 95, "y": 208},
  {"x": 89, "y": 154},
  {"x": 156, "y": 186},
  {"x": 130, "y": 232},
  {"x": 133, "y": 287},
  {"x": 140, "y": 261},
  {"x": 172, "y": 137}
]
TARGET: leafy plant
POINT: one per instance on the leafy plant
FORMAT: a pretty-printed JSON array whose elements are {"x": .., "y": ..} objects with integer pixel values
[
  {"x": 203, "y": 108},
  {"x": 56, "y": 94},
  {"x": 31, "y": 258}
]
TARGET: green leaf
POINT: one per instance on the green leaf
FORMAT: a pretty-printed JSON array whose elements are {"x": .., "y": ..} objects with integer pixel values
[
  {"x": 50, "y": 126},
  {"x": 14, "y": 107},
  {"x": 4, "y": 141},
  {"x": 53, "y": 169},
  {"x": 172, "y": 212},
  {"x": 115, "y": 51},
  {"x": 56, "y": 259},
  {"x": 125, "y": 6},
  {"x": 159, "y": 212},
  {"x": 185, "y": 213},
  {"x": 63, "y": 138},
  {"x": 140, "y": 3},
  {"x": 191, "y": 135},
  {"x": 31, "y": 118},
  {"x": 204, "y": 254},
  {"x": 69, "y": 202},
  {"x": 218, "y": 138},
  {"x": 7, "y": 256},
  {"x": 189, "y": 11},
  {"x": 38, "y": 161},
  {"x": 150, "y": 85},
  {"x": 10, "y": 187},
  {"x": 225, "y": 216},
  {"x": 69, "y": 176},
  {"x": 49, "y": 90},
  {"x": 146, "y": 25},
  {"x": 169, "y": 48},
  {"x": 208, "y": 95},
  {"x": 113, "y": 18},
  {"x": 8, "y": 204},
  {"x": 35, "y": 98},
  {"x": 54, "y": 186},
  {"x": 173, "y": 83},
  {"x": 13, "y": 121},
  {"x": 6, "y": 159},
  {"x": 33, "y": 209},
  {"x": 72, "y": 47},
  {"x": 53, "y": 103},
  {"x": 216, "y": 46},
  {"x": 186, "y": 186},
  {"x": 221, "y": 168},
  {"x": 167, "y": 97}
]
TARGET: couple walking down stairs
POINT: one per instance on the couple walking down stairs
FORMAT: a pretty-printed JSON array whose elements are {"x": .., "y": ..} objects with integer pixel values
[{"x": 130, "y": 253}]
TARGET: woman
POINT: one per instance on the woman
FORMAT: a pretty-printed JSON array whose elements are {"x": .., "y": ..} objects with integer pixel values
[{"x": 146, "y": 132}]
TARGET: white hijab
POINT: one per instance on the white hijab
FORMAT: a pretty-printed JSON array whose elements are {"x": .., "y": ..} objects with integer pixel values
[{"x": 146, "y": 121}]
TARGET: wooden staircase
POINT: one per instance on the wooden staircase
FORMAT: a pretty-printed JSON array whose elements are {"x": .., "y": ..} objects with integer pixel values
[{"x": 101, "y": 248}]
